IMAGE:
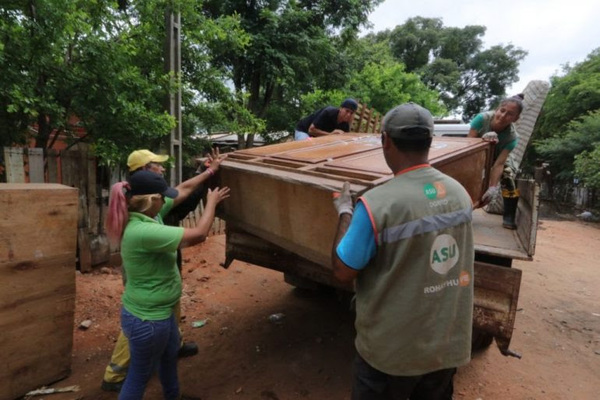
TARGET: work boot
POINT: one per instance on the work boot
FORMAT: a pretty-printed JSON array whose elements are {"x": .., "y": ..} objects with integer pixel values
[
  {"x": 511, "y": 199},
  {"x": 111, "y": 386},
  {"x": 188, "y": 349}
]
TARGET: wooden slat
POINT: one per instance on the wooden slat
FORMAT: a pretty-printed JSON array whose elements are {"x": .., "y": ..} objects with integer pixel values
[
  {"x": 13, "y": 159},
  {"x": 36, "y": 165},
  {"x": 53, "y": 166}
]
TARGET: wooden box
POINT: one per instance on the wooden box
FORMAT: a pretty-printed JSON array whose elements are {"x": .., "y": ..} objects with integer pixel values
[
  {"x": 38, "y": 241},
  {"x": 283, "y": 193}
]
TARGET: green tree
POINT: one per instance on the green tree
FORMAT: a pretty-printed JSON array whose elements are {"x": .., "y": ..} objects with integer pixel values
[
  {"x": 567, "y": 133},
  {"x": 296, "y": 46},
  {"x": 587, "y": 167},
  {"x": 571, "y": 96},
  {"x": 385, "y": 85},
  {"x": 453, "y": 62},
  {"x": 577, "y": 147},
  {"x": 103, "y": 63}
]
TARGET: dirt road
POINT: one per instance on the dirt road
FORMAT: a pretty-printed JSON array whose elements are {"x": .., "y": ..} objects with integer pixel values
[{"x": 308, "y": 353}]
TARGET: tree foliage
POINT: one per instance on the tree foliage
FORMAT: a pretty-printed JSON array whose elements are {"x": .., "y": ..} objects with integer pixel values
[
  {"x": 571, "y": 96},
  {"x": 579, "y": 141},
  {"x": 567, "y": 133},
  {"x": 452, "y": 61},
  {"x": 296, "y": 46},
  {"x": 587, "y": 167},
  {"x": 104, "y": 63}
]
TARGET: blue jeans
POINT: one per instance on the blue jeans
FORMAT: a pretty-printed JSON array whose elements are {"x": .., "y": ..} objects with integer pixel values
[
  {"x": 299, "y": 135},
  {"x": 153, "y": 345}
]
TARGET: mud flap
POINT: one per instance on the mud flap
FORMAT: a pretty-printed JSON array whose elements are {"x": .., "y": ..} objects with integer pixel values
[{"x": 495, "y": 304}]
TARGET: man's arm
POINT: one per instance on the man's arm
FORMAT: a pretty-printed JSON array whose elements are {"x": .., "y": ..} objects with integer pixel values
[
  {"x": 341, "y": 271},
  {"x": 345, "y": 208},
  {"x": 498, "y": 167},
  {"x": 187, "y": 187},
  {"x": 314, "y": 131}
]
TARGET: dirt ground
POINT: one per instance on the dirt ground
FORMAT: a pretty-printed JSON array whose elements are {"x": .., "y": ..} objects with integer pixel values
[{"x": 308, "y": 354}]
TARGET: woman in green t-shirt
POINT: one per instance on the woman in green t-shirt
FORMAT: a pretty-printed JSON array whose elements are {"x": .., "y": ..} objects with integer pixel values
[
  {"x": 498, "y": 126},
  {"x": 149, "y": 252}
]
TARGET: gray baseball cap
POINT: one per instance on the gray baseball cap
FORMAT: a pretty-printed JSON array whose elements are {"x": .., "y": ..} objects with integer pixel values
[{"x": 398, "y": 122}]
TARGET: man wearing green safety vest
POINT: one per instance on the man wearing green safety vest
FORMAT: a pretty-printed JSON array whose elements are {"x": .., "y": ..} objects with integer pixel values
[{"x": 408, "y": 244}]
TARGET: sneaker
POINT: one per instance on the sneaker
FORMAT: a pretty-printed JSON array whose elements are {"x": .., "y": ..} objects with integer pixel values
[
  {"x": 188, "y": 349},
  {"x": 112, "y": 386}
]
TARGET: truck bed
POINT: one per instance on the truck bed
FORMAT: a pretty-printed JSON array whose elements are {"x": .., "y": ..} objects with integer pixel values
[
  {"x": 494, "y": 240},
  {"x": 491, "y": 238}
]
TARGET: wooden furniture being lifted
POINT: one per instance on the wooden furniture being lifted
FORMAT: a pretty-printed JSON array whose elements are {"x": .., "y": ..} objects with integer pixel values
[
  {"x": 280, "y": 215},
  {"x": 282, "y": 193}
]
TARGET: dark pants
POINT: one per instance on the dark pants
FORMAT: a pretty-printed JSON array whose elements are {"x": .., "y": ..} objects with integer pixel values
[{"x": 372, "y": 384}]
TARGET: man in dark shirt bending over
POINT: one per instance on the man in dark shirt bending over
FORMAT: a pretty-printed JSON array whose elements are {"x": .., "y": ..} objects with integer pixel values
[{"x": 327, "y": 121}]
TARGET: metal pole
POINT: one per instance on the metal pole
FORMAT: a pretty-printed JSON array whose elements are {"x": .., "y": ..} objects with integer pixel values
[{"x": 173, "y": 66}]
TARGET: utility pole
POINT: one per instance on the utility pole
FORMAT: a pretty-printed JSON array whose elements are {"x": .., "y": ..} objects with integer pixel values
[{"x": 173, "y": 66}]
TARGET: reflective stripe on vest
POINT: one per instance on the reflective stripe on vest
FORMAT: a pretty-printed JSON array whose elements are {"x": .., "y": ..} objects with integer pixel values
[{"x": 425, "y": 225}]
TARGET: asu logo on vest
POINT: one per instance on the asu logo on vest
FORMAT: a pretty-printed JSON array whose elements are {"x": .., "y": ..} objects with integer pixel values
[
  {"x": 444, "y": 254},
  {"x": 436, "y": 193},
  {"x": 435, "y": 190}
]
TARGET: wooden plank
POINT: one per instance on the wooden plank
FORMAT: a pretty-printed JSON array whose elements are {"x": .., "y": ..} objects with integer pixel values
[
  {"x": 491, "y": 238},
  {"x": 37, "y": 308},
  {"x": 52, "y": 158},
  {"x": 528, "y": 214},
  {"x": 279, "y": 148},
  {"x": 37, "y": 262},
  {"x": 36, "y": 165},
  {"x": 46, "y": 229},
  {"x": 83, "y": 240},
  {"x": 94, "y": 215},
  {"x": 332, "y": 150},
  {"x": 13, "y": 159}
]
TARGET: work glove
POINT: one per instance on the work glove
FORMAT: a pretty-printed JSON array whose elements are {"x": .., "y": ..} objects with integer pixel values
[
  {"x": 490, "y": 137},
  {"x": 343, "y": 201},
  {"x": 490, "y": 194}
]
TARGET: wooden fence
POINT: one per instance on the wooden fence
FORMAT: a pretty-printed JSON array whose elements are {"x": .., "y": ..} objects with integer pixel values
[
  {"x": 366, "y": 120},
  {"x": 77, "y": 168}
]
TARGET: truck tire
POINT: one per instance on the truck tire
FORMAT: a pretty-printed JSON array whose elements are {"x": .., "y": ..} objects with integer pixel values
[{"x": 480, "y": 340}]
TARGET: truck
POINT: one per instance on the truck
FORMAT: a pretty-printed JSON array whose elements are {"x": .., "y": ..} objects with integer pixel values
[{"x": 280, "y": 215}]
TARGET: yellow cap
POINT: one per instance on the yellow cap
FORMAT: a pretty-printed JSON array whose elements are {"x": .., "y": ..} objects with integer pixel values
[{"x": 139, "y": 158}]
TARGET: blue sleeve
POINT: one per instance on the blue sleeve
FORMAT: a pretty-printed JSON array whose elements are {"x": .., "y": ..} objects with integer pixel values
[
  {"x": 477, "y": 122},
  {"x": 357, "y": 247}
]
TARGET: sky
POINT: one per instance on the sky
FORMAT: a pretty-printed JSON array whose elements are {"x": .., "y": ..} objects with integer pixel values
[{"x": 553, "y": 32}]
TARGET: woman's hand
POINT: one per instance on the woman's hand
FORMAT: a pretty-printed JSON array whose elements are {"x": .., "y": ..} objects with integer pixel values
[
  {"x": 490, "y": 137},
  {"x": 217, "y": 195},
  {"x": 215, "y": 159}
]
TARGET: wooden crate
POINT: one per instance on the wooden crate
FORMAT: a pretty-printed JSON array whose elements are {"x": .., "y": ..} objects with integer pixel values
[
  {"x": 283, "y": 193},
  {"x": 38, "y": 241}
]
